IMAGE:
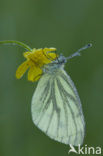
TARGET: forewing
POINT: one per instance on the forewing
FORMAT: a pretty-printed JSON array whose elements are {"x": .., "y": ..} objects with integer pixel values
[{"x": 56, "y": 109}]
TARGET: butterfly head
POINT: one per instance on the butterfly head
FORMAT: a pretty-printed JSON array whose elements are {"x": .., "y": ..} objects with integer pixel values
[
  {"x": 60, "y": 60},
  {"x": 55, "y": 64}
]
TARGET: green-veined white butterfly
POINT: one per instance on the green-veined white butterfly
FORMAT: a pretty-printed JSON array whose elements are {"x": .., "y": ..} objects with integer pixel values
[{"x": 56, "y": 107}]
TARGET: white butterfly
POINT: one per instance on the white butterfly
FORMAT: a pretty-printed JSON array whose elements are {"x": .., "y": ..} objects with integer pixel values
[{"x": 56, "y": 107}]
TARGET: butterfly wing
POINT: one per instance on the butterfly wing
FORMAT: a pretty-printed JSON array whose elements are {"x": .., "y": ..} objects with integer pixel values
[{"x": 56, "y": 108}]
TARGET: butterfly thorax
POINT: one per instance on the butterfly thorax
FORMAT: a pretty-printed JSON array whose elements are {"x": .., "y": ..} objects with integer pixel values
[{"x": 55, "y": 65}]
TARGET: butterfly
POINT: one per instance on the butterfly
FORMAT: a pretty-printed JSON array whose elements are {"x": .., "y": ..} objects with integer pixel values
[{"x": 56, "y": 107}]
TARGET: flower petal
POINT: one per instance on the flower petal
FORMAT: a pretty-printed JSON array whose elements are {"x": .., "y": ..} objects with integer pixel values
[
  {"x": 50, "y": 55},
  {"x": 34, "y": 73},
  {"x": 22, "y": 69},
  {"x": 27, "y": 53},
  {"x": 49, "y": 49}
]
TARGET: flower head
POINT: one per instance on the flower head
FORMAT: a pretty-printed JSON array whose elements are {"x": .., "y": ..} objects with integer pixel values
[{"x": 35, "y": 60}]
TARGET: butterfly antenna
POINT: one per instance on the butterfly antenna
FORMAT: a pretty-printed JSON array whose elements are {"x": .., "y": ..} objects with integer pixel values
[
  {"x": 77, "y": 53},
  {"x": 48, "y": 57}
]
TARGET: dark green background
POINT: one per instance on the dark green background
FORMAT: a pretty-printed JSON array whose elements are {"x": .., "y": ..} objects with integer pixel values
[{"x": 66, "y": 25}]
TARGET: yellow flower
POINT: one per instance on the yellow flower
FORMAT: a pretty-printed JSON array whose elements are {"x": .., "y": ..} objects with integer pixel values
[{"x": 35, "y": 60}]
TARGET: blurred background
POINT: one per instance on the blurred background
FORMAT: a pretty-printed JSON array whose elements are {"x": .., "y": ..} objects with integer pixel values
[{"x": 66, "y": 25}]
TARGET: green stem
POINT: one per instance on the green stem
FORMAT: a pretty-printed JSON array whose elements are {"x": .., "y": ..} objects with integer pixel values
[{"x": 12, "y": 42}]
